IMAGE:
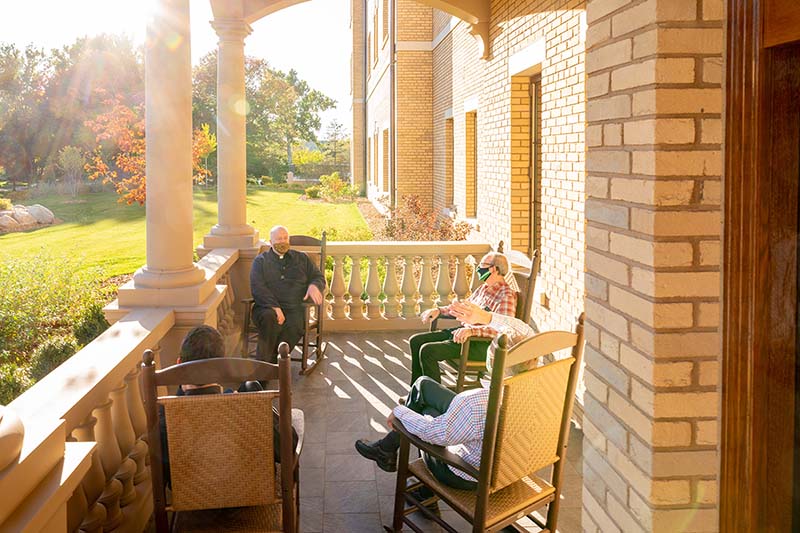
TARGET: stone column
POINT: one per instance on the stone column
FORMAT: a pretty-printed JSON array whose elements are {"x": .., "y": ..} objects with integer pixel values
[
  {"x": 232, "y": 230},
  {"x": 654, "y": 166},
  {"x": 168, "y": 126}
]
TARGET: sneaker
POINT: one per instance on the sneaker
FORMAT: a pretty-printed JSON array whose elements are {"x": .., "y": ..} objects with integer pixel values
[
  {"x": 423, "y": 493},
  {"x": 387, "y": 460}
]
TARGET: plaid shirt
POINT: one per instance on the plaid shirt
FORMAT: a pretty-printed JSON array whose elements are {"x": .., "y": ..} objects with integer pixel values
[
  {"x": 460, "y": 428},
  {"x": 499, "y": 298}
]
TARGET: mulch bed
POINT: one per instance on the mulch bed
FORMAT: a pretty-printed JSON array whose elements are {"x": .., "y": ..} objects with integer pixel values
[{"x": 375, "y": 221}]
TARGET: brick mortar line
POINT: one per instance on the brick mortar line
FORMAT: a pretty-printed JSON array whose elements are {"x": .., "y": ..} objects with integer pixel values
[
  {"x": 696, "y": 24},
  {"x": 667, "y": 239},
  {"x": 643, "y": 325},
  {"x": 676, "y": 208}
]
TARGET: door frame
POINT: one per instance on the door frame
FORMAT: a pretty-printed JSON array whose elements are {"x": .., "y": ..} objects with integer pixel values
[{"x": 743, "y": 494}]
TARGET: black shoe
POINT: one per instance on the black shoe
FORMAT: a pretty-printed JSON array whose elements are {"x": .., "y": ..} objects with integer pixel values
[
  {"x": 423, "y": 493},
  {"x": 387, "y": 460}
]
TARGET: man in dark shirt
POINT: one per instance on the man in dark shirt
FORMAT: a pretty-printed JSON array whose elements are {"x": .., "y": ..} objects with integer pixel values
[{"x": 281, "y": 279}]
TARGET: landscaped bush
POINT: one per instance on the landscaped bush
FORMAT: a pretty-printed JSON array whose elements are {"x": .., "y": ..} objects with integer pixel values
[
  {"x": 5, "y": 204},
  {"x": 333, "y": 188},
  {"x": 313, "y": 191},
  {"x": 51, "y": 353},
  {"x": 14, "y": 381},
  {"x": 42, "y": 296},
  {"x": 91, "y": 323},
  {"x": 414, "y": 222}
]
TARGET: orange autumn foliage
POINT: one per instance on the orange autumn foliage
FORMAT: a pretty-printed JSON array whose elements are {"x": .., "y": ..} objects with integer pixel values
[{"x": 120, "y": 155}]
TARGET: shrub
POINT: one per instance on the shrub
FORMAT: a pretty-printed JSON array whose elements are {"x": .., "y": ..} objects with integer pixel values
[
  {"x": 313, "y": 191},
  {"x": 14, "y": 380},
  {"x": 50, "y": 354},
  {"x": 333, "y": 188},
  {"x": 5, "y": 204},
  {"x": 42, "y": 296},
  {"x": 414, "y": 222},
  {"x": 90, "y": 324}
]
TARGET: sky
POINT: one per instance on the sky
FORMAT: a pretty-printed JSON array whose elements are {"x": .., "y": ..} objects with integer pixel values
[{"x": 312, "y": 37}]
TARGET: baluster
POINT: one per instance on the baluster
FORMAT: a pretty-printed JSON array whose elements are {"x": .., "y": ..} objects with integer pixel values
[
  {"x": 337, "y": 288},
  {"x": 426, "y": 284},
  {"x": 460, "y": 286},
  {"x": 94, "y": 483},
  {"x": 409, "y": 288},
  {"x": 356, "y": 288},
  {"x": 443, "y": 284},
  {"x": 123, "y": 429},
  {"x": 390, "y": 288},
  {"x": 476, "y": 282},
  {"x": 139, "y": 421},
  {"x": 111, "y": 459},
  {"x": 373, "y": 289},
  {"x": 77, "y": 505}
]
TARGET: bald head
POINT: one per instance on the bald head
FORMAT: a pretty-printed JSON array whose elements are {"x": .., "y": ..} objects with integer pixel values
[{"x": 278, "y": 232}]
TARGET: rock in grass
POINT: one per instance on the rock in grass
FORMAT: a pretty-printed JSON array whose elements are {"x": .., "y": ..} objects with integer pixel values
[
  {"x": 8, "y": 224},
  {"x": 41, "y": 214}
]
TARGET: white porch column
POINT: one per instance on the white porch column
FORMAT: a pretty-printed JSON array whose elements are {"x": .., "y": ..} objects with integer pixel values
[
  {"x": 231, "y": 230},
  {"x": 168, "y": 126}
]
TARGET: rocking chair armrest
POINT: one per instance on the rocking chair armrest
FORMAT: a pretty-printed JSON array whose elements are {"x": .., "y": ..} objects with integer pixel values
[
  {"x": 299, "y": 425},
  {"x": 247, "y": 300},
  {"x": 435, "y": 321},
  {"x": 437, "y": 451}
]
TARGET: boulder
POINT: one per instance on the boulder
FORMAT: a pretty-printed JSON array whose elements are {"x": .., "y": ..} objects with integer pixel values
[
  {"x": 22, "y": 216},
  {"x": 41, "y": 214},
  {"x": 7, "y": 223}
]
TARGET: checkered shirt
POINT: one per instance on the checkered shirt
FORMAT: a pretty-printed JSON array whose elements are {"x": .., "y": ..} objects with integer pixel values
[
  {"x": 499, "y": 298},
  {"x": 460, "y": 428}
]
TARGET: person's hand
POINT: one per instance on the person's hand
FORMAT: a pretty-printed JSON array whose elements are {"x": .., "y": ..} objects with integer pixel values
[
  {"x": 314, "y": 294},
  {"x": 390, "y": 420},
  {"x": 470, "y": 313},
  {"x": 461, "y": 334},
  {"x": 281, "y": 316},
  {"x": 429, "y": 315}
]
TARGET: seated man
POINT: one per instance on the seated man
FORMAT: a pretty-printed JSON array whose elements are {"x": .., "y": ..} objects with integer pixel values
[
  {"x": 438, "y": 415},
  {"x": 280, "y": 280},
  {"x": 205, "y": 342},
  {"x": 495, "y": 295}
]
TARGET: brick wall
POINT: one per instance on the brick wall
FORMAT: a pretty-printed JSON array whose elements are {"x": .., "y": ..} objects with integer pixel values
[{"x": 652, "y": 264}]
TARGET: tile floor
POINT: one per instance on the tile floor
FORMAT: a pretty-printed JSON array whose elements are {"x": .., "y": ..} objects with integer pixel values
[{"x": 348, "y": 397}]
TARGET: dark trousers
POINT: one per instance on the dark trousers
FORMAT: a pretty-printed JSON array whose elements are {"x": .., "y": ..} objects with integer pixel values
[
  {"x": 430, "y": 347},
  {"x": 271, "y": 334},
  {"x": 428, "y": 397}
]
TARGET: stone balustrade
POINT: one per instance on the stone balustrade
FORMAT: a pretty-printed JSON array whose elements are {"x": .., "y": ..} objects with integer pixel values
[{"x": 385, "y": 285}]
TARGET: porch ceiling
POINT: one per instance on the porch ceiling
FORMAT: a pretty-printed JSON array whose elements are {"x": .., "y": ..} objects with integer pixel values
[{"x": 249, "y": 10}]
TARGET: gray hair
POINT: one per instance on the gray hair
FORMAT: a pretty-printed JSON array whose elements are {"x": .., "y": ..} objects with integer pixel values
[{"x": 499, "y": 261}]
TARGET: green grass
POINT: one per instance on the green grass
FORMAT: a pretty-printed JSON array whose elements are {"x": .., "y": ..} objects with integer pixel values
[{"x": 100, "y": 232}]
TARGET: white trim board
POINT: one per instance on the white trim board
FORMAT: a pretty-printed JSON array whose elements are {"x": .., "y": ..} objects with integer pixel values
[{"x": 528, "y": 60}]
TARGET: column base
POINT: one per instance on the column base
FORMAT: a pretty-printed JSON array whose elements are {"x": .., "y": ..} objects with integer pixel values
[
  {"x": 146, "y": 278},
  {"x": 240, "y": 237}
]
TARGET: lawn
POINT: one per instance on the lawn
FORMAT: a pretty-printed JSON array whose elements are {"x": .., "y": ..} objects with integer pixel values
[{"x": 102, "y": 232}]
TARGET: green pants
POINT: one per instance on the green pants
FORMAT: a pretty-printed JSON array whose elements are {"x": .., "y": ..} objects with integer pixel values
[
  {"x": 428, "y": 397},
  {"x": 428, "y": 348}
]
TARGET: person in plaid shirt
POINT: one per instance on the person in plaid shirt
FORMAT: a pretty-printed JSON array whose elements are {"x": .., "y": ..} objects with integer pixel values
[{"x": 494, "y": 295}]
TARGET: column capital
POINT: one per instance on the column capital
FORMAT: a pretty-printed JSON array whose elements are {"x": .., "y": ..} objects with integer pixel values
[{"x": 231, "y": 29}]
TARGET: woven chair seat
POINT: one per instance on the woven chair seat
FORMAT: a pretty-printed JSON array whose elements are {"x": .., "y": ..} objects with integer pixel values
[
  {"x": 264, "y": 518},
  {"x": 517, "y": 497}
]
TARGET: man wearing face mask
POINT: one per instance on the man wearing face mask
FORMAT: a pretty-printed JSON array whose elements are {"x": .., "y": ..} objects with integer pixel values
[
  {"x": 280, "y": 280},
  {"x": 494, "y": 295}
]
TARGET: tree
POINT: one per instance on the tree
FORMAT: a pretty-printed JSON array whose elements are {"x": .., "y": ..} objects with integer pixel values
[
  {"x": 204, "y": 143},
  {"x": 333, "y": 139},
  {"x": 120, "y": 155},
  {"x": 24, "y": 132},
  {"x": 71, "y": 163}
]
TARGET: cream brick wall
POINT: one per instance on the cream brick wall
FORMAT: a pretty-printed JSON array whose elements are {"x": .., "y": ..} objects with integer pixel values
[{"x": 652, "y": 264}]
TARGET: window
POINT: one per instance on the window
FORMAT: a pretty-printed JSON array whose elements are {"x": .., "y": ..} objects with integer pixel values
[
  {"x": 385, "y": 20},
  {"x": 375, "y": 160},
  {"x": 449, "y": 156},
  {"x": 385, "y": 160},
  {"x": 375, "y": 36},
  {"x": 471, "y": 164},
  {"x": 535, "y": 239}
]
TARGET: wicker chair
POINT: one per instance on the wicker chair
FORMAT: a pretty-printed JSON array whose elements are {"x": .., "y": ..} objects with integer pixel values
[
  {"x": 312, "y": 345},
  {"x": 525, "y": 271},
  {"x": 527, "y": 428},
  {"x": 221, "y": 453}
]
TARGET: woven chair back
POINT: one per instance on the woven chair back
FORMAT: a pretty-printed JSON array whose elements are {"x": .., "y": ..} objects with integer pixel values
[
  {"x": 531, "y": 415},
  {"x": 220, "y": 450}
]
